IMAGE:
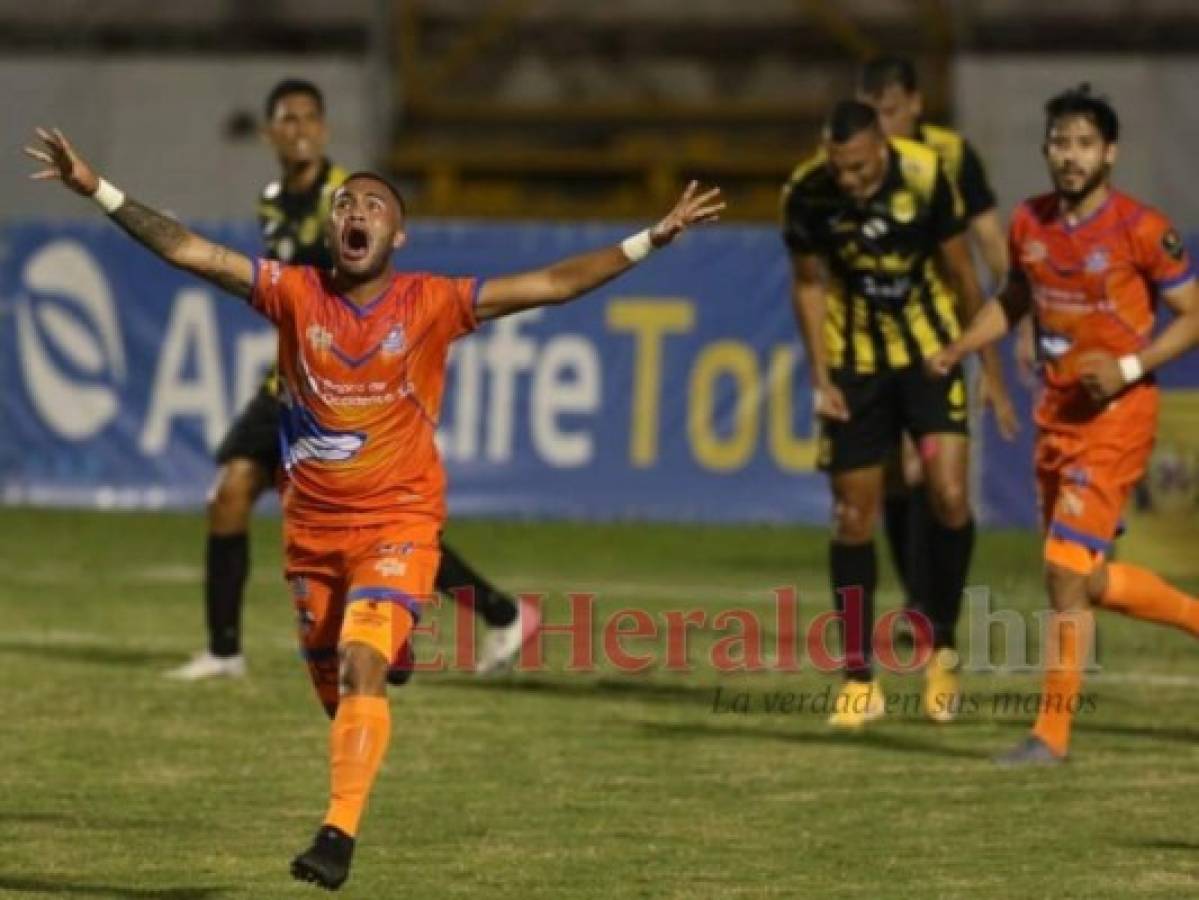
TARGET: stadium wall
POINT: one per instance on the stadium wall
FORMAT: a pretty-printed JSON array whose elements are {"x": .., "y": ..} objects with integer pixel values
[
  {"x": 181, "y": 130},
  {"x": 1000, "y": 107}
]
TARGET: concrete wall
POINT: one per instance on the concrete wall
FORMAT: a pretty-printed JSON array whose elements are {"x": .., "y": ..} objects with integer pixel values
[
  {"x": 1000, "y": 108},
  {"x": 158, "y": 126}
]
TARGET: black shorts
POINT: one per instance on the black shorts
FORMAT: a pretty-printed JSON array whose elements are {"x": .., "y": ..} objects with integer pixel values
[
  {"x": 255, "y": 432},
  {"x": 884, "y": 405}
]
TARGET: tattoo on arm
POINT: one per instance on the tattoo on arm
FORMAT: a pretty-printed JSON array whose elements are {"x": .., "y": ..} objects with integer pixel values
[
  {"x": 160, "y": 233},
  {"x": 174, "y": 243},
  {"x": 221, "y": 272}
]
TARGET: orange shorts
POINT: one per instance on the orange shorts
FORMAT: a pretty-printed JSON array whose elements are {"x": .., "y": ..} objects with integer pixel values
[
  {"x": 1085, "y": 476},
  {"x": 346, "y": 584}
]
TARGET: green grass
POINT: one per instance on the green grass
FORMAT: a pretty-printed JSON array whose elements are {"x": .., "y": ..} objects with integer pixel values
[{"x": 117, "y": 783}]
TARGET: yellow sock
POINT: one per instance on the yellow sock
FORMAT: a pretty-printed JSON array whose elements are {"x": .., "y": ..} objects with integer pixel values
[
  {"x": 1069, "y": 637},
  {"x": 357, "y": 742},
  {"x": 1142, "y": 594}
]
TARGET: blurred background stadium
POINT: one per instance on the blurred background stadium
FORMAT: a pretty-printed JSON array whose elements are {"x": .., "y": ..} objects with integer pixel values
[{"x": 522, "y": 130}]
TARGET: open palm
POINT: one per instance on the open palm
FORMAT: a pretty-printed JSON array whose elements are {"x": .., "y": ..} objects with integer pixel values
[{"x": 62, "y": 162}]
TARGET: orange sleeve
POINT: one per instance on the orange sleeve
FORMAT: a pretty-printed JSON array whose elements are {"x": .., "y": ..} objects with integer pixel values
[
  {"x": 274, "y": 290},
  {"x": 1163, "y": 256},
  {"x": 456, "y": 301}
]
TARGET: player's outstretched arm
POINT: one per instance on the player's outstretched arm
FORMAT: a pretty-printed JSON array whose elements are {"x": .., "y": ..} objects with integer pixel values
[
  {"x": 565, "y": 280},
  {"x": 165, "y": 237},
  {"x": 958, "y": 265}
]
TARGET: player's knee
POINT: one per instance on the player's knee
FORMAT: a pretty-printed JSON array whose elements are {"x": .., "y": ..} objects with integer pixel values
[
  {"x": 951, "y": 504},
  {"x": 363, "y": 671},
  {"x": 1067, "y": 587},
  {"x": 232, "y": 497},
  {"x": 853, "y": 522}
]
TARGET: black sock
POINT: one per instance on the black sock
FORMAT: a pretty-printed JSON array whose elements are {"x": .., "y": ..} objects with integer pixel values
[
  {"x": 227, "y": 566},
  {"x": 950, "y": 550},
  {"x": 920, "y": 520},
  {"x": 897, "y": 518},
  {"x": 853, "y": 569},
  {"x": 497, "y": 609}
]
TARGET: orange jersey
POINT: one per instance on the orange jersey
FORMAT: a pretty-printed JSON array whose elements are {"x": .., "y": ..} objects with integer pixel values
[
  {"x": 361, "y": 393},
  {"x": 1094, "y": 286}
]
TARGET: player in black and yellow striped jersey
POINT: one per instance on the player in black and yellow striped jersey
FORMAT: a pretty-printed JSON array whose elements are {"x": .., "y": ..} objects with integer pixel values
[
  {"x": 292, "y": 212},
  {"x": 889, "y": 84},
  {"x": 875, "y": 231}
]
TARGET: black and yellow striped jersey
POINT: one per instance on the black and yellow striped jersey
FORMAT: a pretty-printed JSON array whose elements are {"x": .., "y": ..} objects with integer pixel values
[
  {"x": 293, "y": 225},
  {"x": 293, "y": 228},
  {"x": 888, "y": 307},
  {"x": 963, "y": 166}
]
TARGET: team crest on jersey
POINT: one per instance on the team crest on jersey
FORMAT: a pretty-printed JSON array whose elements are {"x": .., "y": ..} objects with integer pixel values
[
  {"x": 395, "y": 341},
  {"x": 1033, "y": 252},
  {"x": 903, "y": 206},
  {"x": 1096, "y": 261},
  {"x": 874, "y": 228},
  {"x": 320, "y": 339}
]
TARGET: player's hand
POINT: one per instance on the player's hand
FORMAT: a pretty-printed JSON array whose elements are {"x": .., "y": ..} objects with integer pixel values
[
  {"x": 1100, "y": 375},
  {"x": 62, "y": 162},
  {"x": 830, "y": 403},
  {"x": 995, "y": 395},
  {"x": 942, "y": 362},
  {"x": 693, "y": 208}
]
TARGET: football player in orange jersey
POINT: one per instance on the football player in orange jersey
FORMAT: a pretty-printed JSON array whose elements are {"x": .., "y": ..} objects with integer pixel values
[
  {"x": 362, "y": 351},
  {"x": 1090, "y": 263}
]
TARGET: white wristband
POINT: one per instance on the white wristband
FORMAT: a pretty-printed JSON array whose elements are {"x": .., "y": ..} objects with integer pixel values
[
  {"x": 109, "y": 198},
  {"x": 1131, "y": 368},
  {"x": 638, "y": 246}
]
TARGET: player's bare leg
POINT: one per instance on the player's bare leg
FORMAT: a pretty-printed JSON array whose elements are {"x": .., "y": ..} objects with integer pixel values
[
  {"x": 1073, "y": 592},
  {"x": 238, "y": 485},
  {"x": 853, "y": 571},
  {"x": 950, "y": 547}
]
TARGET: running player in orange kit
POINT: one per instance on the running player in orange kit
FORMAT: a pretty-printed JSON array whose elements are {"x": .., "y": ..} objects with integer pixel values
[
  {"x": 362, "y": 354},
  {"x": 1091, "y": 264}
]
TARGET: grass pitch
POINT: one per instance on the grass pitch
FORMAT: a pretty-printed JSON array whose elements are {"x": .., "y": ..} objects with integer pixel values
[{"x": 117, "y": 783}]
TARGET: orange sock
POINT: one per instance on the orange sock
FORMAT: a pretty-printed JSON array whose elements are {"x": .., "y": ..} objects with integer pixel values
[
  {"x": 1141, "y": 594},
  {"x": 1069, "y": 637},
  {"x": 357, "y": 742}
]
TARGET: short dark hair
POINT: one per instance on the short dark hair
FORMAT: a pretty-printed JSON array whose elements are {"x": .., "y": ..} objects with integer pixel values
[
  {"x": 375, "y": 176},
  {"x": 882, "y": 72},
  {"x": 289, "y": 86},
  {"x": 849, "y": 118},
  {"x": 1080, "y": 101}
]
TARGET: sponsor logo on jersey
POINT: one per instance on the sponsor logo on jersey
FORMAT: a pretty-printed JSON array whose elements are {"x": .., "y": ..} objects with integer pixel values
[{"x": 1172, "y": 244}]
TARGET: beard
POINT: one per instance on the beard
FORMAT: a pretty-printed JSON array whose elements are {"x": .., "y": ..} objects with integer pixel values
[{"x": 1089, "y": 184}]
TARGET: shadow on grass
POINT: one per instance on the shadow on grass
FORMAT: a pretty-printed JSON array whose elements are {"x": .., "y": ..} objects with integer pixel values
[
  {"x": 630, "y": 687},
  {"x": 1109, "y": 729},
  {"x": 1186, "y": 846},
  {"x": 74, "y": 889},
  {"x": 870, "y": 739},
  {"x": 96, "y": 654}
]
